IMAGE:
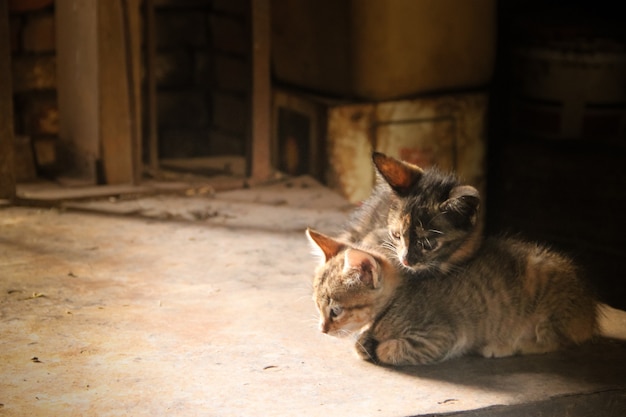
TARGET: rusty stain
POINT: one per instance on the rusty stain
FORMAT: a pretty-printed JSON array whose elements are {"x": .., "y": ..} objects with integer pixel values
[
  {"x": 447, "y": 131},
  {"x": 350, "y": 138},
  {"x": 356, "y": 116}
]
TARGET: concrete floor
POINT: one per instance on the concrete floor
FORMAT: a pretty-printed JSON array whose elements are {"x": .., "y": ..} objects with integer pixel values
[{"x": 200, "y": 305}]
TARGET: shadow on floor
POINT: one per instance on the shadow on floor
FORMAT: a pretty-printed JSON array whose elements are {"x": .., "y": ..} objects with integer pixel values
[{"x": 600, "y": 363}]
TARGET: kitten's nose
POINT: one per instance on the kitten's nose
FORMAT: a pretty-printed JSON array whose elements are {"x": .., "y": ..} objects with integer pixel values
[
  {"x": 324, "y": 327},
  {"x": 404, "y": 261}
]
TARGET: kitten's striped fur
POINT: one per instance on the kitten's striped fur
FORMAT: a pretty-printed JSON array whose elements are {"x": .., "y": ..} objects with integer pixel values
[
  {"x": 417, "y": 282},
  {"x": 512, "y": 298}
]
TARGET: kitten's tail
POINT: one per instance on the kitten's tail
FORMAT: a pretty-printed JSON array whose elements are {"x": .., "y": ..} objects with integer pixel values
[{"x": 611, "y": 322}]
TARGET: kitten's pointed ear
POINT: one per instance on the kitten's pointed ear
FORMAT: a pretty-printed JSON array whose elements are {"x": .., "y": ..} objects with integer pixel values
[
  {"x": 464, "y": 200},
  {"x": 365, "y": 265},
  {"x": 399, "y": 175},
  {"x": 328, "y": 246}
]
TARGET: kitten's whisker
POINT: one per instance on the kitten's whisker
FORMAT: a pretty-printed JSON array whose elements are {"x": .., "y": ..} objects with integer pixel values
[
  {"x": 356, "y": 341},
  {"x": 387, "y": 245},
  {"x": 390, "y": 240}
]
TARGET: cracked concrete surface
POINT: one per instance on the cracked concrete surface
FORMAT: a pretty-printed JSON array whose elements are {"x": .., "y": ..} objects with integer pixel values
[{"x": 200, "y": 305}]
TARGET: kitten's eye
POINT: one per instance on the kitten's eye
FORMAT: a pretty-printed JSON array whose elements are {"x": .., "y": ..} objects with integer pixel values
[
  {"x": 428, "y": 244},
  {"x": 335, "y": 311},
  {"x": 395, "y": 234}
]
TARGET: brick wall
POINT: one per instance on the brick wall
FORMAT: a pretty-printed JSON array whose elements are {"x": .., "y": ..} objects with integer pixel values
[
  {"x": 34, "y": 77},
  {"x": 203, "y": 77}
]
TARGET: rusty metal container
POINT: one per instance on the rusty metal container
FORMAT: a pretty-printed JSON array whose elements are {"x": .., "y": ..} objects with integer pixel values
[
  {"x": 382, "y": 50},
  {"x": 335, "y": 140}
]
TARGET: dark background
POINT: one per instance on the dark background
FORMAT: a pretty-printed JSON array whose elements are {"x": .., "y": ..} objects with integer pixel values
[{"x": 569, "y": 192}]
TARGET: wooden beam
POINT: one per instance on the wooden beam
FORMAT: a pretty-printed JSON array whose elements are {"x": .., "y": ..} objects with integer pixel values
[
  {"x": 151, "y": 99},
  {"x": 133, "y": 37},
  {"x": 7, "y": 151},
  {"x": 98, "y": 64},
  {"x": 116, "y": 122},
  {"x": 261, "y": 168},
  {"x": 77, "y": 87}
]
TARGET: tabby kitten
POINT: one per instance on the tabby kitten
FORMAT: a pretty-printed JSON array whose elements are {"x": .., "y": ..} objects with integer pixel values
[
  {"x": 512, "y": 298},
  {"x": 432, "y": 218}
]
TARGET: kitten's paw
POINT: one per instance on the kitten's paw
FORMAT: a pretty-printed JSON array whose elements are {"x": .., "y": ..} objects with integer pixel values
[
  {"x": 393, "y": 352},
  {"x": 366, "y": 347},
  {"x": 497, "y": 351}
]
